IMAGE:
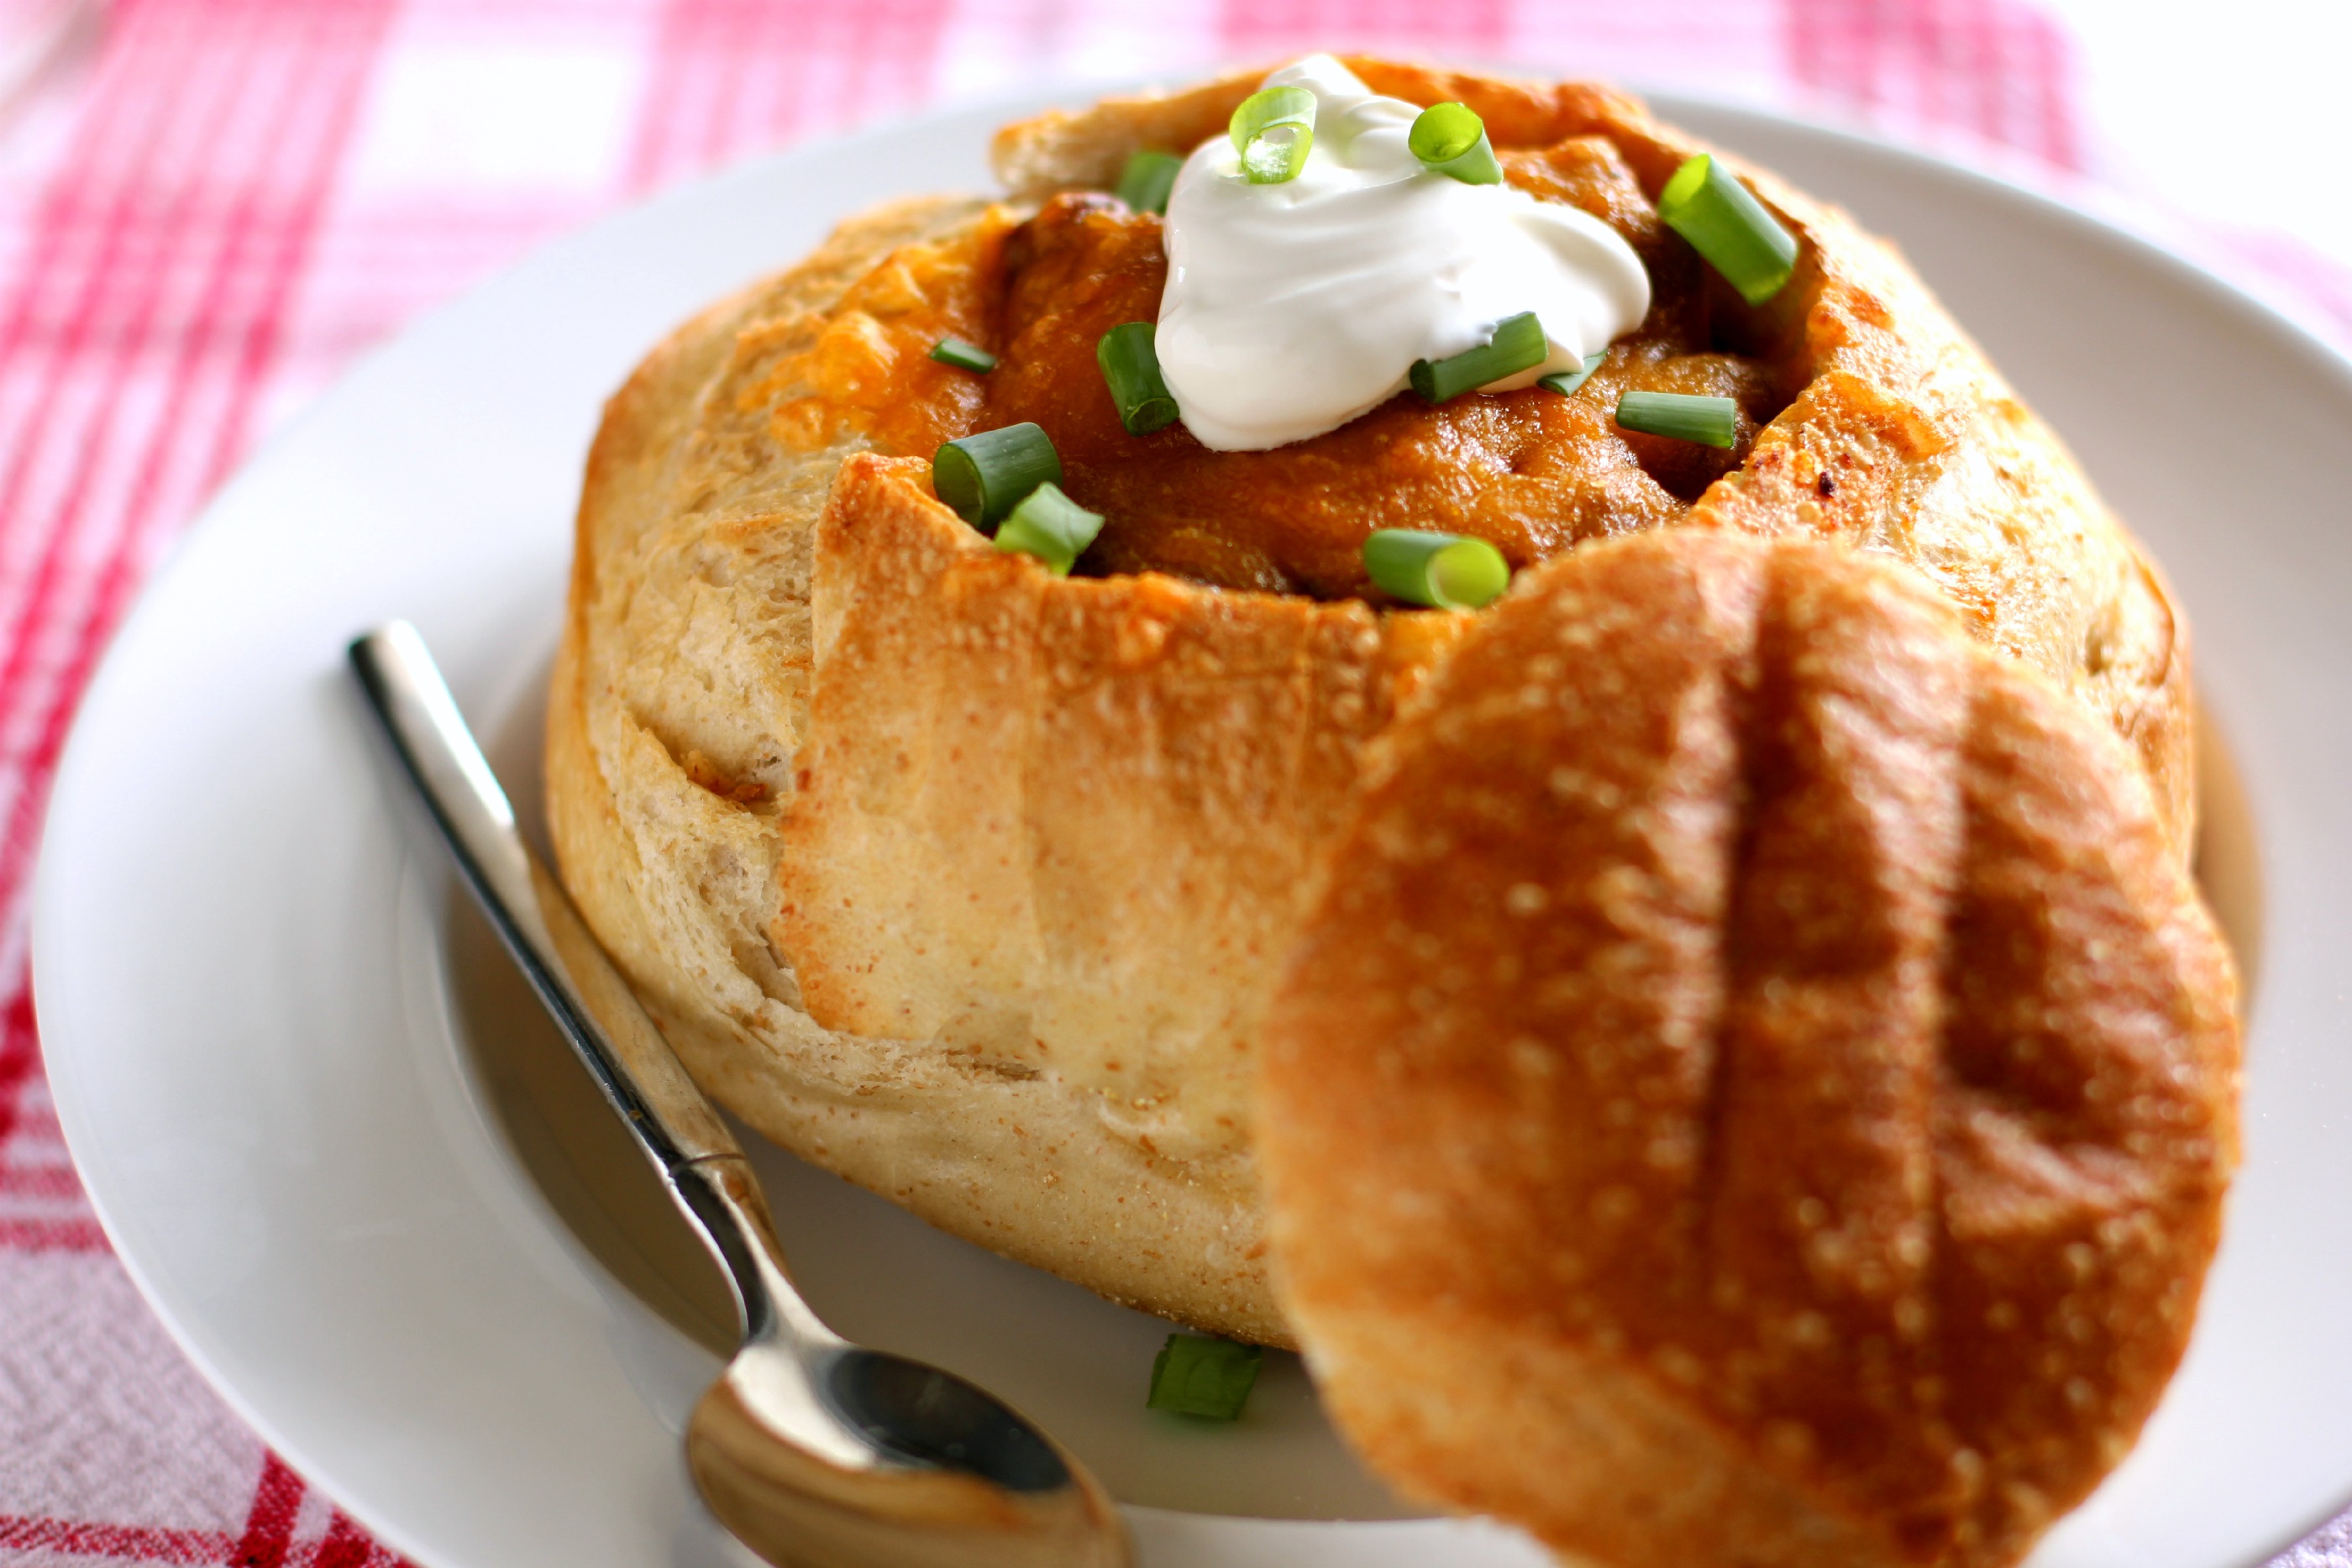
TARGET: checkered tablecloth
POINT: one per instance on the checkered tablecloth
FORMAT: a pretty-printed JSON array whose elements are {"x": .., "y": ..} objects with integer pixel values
[{"x": 211, "y": 205}]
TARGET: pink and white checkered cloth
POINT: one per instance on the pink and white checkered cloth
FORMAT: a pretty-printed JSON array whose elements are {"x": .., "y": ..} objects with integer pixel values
[{"x": 225, "y": 199}]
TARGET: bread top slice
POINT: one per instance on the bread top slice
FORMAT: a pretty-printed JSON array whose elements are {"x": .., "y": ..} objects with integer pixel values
[{"x": 1757, "y": 1085}]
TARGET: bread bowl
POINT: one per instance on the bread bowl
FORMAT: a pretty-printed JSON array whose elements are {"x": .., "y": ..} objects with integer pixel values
[{"x": 765, "y": 726}]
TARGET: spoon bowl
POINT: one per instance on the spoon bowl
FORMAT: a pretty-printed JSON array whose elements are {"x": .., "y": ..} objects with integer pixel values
[
  {"x": 964, "y": 1479},
  {"x": 926, "y": 1417}
]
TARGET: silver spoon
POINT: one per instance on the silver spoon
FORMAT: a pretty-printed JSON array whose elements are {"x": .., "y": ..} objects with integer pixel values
[{"x": 816, "y": 1452}]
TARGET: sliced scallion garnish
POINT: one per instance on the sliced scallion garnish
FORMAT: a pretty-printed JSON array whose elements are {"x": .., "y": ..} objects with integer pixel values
[
  {"x": 1148, "y": 178},
  {"x": 963, "y": 356},
  {"x": 1050, "y": 526},
  {"x": 1709, "y": 420},
  {"x": 1445, "y": 571},
  {"x": 984, "y": 476},
  {"x": 1518, "y": 344},
  {"x": 1707, "y": 205},
  {"x": 1197, "y": 1377},
  {"x": 1565, "y": 382},
  {"x": 1273, "y": 131},
  {"x": 1131, "y": 367},
  {"x": 1450, "y": 139}
]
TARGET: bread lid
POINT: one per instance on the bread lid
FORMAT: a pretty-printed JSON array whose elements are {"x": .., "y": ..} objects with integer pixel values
[{"x": 1756, "y": 1086}]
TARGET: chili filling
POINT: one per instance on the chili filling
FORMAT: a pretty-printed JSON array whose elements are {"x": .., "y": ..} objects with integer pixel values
[{"x": 1531, "y": 471}]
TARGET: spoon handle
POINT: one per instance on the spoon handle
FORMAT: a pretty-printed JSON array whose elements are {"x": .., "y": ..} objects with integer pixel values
[{"x": 587, "y": 995}]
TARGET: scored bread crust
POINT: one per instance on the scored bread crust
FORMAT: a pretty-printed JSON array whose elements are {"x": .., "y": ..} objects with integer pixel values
[
  {"x": 1082, "y": 1104},
  {"x": 1758, "y": 1087}
]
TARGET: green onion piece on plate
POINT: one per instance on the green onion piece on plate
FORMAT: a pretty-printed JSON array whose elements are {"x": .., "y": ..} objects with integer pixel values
[
  {"x": 1197, "y": 1377},
  {"x": 1566, "y": 382},
  {"x": 1050, "y": 527},
  {"x": 984, "y": 476},
  {"x": 1708, "y": 205},
  {"x": 1518, "y": 344},
  {"x": 1709, "y": 420},
  {"x": 1445, "y": 571},
  {"x": 1273, "y": 131},
  {"x": 1450, "y": 139},
  {"x": 1131, "y": 367},
  {"x": 963, "y": 356},
  {"x": 1148, "y": 178}
]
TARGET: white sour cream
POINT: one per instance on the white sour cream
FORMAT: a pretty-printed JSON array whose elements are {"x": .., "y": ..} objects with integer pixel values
[{"x": 1292, "y": 309}]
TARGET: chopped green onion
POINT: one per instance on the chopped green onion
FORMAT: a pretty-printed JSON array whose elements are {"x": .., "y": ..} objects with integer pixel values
[
  {"x": 1708, "y": 205},
  {"x": 1273, "y": 131},
  {"x": 1050, "y": 527},
  {"x": 1450, "y": 139},
  {"x": 1709, "y": 420},
  {"x": 1566, "y": 382},
  {"x": 1446, "y": 572},
  {"x": 1197, "y": 1377},
  {"x": 1518, "y": 344},
  {"x": 984, "y": 476},
  {"x": 1148, "y": 178},
  {"x": 963, "y": 356},
  {"x": 1131, "y": 367}
]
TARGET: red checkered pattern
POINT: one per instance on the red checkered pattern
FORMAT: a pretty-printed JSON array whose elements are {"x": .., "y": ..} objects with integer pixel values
[{"x": 222, "y": 200}]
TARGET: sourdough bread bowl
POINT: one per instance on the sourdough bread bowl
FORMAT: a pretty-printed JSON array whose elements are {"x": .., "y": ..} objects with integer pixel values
[{"x": 972, "y": 883}]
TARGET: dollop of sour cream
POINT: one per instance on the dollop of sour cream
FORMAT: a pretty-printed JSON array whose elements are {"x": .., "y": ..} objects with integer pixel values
[{"x": 1291, "y": 309}]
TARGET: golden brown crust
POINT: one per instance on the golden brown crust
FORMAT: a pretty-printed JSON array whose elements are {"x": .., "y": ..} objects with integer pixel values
[
  {"x": 682, "y": 725},
  {"x": 1054, "y": 827},
  {"x": 1758, "y": 1086}
]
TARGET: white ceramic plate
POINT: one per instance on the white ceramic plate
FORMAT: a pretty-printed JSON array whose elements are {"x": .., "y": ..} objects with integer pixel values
[{"x": 375, "y": 1211}]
